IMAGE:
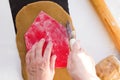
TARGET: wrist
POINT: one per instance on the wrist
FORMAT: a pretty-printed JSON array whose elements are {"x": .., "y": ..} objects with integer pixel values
[
  {"x": 86, "y": 77},
  {"x": 91, "y": 77}
]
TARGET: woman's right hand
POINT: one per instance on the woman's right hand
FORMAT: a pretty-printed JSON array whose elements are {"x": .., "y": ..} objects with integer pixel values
[{"x": 81, "y": 66}]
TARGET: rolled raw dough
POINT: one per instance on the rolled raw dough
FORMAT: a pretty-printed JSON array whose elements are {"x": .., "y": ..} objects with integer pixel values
[{"x": 25, "y": 18}]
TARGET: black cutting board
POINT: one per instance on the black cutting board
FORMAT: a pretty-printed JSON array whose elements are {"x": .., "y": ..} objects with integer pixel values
[{"x": 16, "y": 5}]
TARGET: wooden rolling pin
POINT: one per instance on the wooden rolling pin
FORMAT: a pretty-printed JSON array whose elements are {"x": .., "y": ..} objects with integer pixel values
[{"x": 108, "y": 20}]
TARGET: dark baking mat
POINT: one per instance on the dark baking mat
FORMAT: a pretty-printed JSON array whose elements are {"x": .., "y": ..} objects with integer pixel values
[{"x": 16, "y": 5}]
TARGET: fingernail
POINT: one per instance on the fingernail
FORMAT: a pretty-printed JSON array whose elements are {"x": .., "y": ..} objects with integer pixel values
[
  {"x": 72, "y": 41},
  {"x": 42, "y": 39}
]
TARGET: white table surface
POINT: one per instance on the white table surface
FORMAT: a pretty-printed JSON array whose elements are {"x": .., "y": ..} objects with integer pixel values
[
  {"x": 89, "y": 28},
  {"x": 9, "y": 59}
]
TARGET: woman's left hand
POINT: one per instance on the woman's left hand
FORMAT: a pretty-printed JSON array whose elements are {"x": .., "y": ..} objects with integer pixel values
[{"x": 40, "y": 67}]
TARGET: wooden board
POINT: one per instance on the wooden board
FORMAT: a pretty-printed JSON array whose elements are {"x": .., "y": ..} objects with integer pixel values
[{"x": 25, "y": 18}]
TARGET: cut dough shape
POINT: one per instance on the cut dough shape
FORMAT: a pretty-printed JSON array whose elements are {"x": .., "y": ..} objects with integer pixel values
[{"x": 44, "y": 26}]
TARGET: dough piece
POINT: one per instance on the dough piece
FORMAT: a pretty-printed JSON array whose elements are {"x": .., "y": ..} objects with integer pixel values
[
  {"x": 48, "y": 28},
  {"x": 25, "y": 18},
  {"x": 109, "y": 69}
]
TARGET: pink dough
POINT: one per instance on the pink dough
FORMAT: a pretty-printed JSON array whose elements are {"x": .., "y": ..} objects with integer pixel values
[{"x": 46, "y": 27}]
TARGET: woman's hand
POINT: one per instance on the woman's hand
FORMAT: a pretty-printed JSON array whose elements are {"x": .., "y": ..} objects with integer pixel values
[
  {"x": 40, "y": 67},
  {"x": 80, "y": 65}
]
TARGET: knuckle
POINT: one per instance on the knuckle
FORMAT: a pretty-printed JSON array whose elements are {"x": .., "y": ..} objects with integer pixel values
[
  {"x": 42, "y": 66},
  {"x": 37, "y": 65},
  {"x": 44, "y": 63},
  {"x": 32, "y": 69},
  {"x": 37, "y": 61}
]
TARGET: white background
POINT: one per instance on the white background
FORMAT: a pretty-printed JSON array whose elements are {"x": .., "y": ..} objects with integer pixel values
[{"x": 89, "y": 29}]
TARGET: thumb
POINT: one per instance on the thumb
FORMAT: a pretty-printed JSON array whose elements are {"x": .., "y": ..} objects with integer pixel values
[{"x": 52, "y": 63}]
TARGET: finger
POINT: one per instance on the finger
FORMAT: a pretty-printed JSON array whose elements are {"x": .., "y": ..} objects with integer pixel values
[
  {"x": 38, "y": 53},
  {"x": 27, "y": 58},
  {"x": 76, "y": 46},
  {"x": 32, "y": 52},
  {"x": 48, "y": 50},
  {"x": 52, "y": 63},
  {"x": 69, "y": 61}
]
